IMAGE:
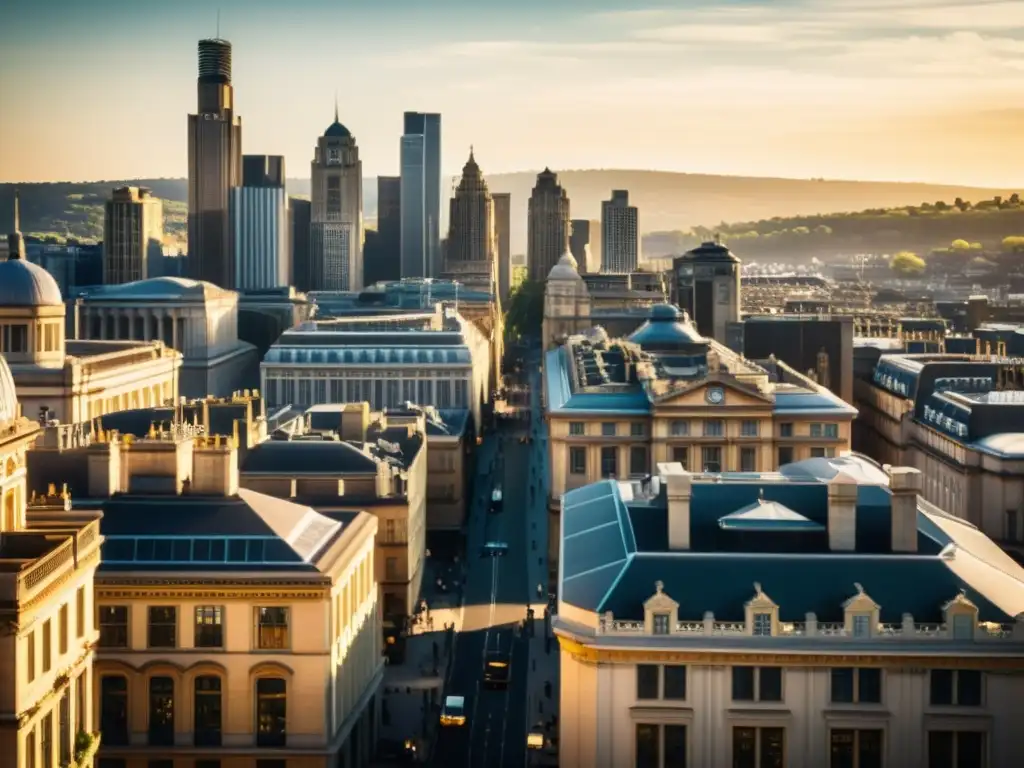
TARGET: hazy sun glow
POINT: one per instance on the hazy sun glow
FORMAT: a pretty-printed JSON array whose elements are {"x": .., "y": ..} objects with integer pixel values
[{"x": 870, "y": 89}]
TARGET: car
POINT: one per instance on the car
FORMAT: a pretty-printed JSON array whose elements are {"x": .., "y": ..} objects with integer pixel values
[
  {"x": 497, "y": 669},
  {"x": 494, "y": 549},
  {"x": 453, "y": 713},
  {"x": 496, "y": 500}
]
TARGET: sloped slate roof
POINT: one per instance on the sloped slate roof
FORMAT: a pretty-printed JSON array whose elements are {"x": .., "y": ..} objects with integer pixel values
[{"x": 329, "y": 457}]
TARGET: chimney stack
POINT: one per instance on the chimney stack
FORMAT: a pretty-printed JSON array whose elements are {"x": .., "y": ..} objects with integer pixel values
[
  {"x": 215, "y": 467},
  {"x": 905, "y": 484},
  {"x": 842, "y": 513},
  {"x": 678, "y": 490}
]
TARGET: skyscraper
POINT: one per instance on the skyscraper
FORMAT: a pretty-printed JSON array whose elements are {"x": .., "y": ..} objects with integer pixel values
[
  {"x": 387, "y": 263},
  {"x": 214, "y": 166},
  {"x": 502, "y": 242},
  {"x": 471, "y": 219},
  {"x": 336, "y": 234},
  {"x": 299, "y": 214},
  {"x": 547, "y": 225},
  {"x": 585, "y": 244},
  {"x": 620, "y": 241},
  {"x": 421, "y": 195},
  {"x": 259, "y": 225},
  {"x": 133, "y": 234}
]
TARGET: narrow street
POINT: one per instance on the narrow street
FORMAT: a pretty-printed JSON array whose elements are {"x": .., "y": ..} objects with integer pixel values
[{"x": 497, "y": 594}]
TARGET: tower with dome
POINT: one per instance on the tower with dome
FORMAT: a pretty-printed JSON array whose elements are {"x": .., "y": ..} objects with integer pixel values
[{"x": 566, "y": 302}]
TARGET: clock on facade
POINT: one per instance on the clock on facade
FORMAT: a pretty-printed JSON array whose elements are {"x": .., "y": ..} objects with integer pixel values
[{"x": 715, "y": 395}]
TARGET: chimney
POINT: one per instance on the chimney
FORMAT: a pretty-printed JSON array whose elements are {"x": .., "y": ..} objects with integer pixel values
[
  {"x": 215, "y": 467},
  {"x": 842, "y": 513},
  {"x": 905, "y": 484},
  {"x": 678, "y": 489},
  {"x": 156, "y": 465},
  {"x": 355, "y": 419},
  {"x": 103, "y": 466}
]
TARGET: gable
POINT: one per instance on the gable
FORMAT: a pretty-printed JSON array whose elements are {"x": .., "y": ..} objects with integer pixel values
[{"x": 733, "y": 397}]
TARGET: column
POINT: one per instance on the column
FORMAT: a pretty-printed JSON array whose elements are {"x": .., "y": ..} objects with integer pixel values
[{"x": 174, "y": 329}]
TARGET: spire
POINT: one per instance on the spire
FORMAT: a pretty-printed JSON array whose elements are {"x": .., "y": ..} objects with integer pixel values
[
  {"x": 336, "y": 106},
  {"x": 471, "y": 154},
  {"x": 17, "y": 210}
]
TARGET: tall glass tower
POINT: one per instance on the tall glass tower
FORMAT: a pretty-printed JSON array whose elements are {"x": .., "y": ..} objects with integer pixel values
[{"x": 421, "y": 195}]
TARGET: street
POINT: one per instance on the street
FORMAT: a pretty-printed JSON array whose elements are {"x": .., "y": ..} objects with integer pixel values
[{"x": 497, "y": 594}]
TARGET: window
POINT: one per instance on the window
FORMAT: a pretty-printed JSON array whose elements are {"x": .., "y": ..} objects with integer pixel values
[
  {"x": 750, "y": 428},
  {"x": 272, "y": 628},
  {"x": 855, "y": 749},
  {"x": 114, "y": 710},
  {"x": 638, "y": 464},
  {"x": 762, "y": 625},
  {"x": 680, "y": 428},
  {"x": 46, "y": 740},
  {"x": 786, "y": 429},
  {"x": 653, "y": 741},
  {"x": 161, "y": 711},
  {"x": 816, "y": 430},
  {"x": 748, "y": 459},
  {"x": 113, "y": 626},
  {"x": 862, "y": 625},
  {"x": 163, "y": 627},
  {"x": 576, "y": 428},
  {"x": 711, "y": 458},
  {"x": 714, "y": 428},
  {"x": 758, "y": 747},
  {"x": 391, "y": 568},
  {"x": 609, "y": 463},
  {"x": 62, "y": 629},
  {"x": 608, "y": 429},
  {"x": 636, "y": 429},
  {"x": 30, "y": 749},
  {"x": 785, "y": 455},
  {"x": 956, "y": 687},
  {"x": 757, "y": 683},
  {"x": 30, "y": 662},
  {"x": 64, "y": 727},
  {"x": 661, "y": 624},
  {"x": 47, "y": 646},
  {"x": 647, "y": 681},
  {"x": 209, "y": 627},
  {"x": 957, "y": 749},
  {"x": 832, "y": 430},
  {"x": 271, "y": 712},
  {"x": 577, "y": 460},
  {"x": 856, "y": 686},
  {"x": 207, "y": 709},
  {"x": 674, "y": 682},
  {"x": 80, "y": 613},
  {"x": 682, "y": 455}
]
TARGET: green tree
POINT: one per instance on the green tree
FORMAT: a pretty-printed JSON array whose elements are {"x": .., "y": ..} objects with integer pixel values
[
  {"x": 907, "y": 263},
  {"x": 525, "y": 309}
]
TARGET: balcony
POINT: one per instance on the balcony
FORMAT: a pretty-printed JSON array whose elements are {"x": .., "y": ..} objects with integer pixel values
[{"x": 33, "y": 559}]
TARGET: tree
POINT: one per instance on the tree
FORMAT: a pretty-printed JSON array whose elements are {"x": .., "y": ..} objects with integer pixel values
[
  {"x": 526, "y": 309},
  {"x": 907, "y": 263},
  {"x": 960, "y": 245}
]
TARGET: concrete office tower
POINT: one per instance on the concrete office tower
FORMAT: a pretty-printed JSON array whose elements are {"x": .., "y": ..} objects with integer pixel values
[
  {"x": 471, "y": 219},
  {"x": 214, "y": 166},
  {"x": 620, "y": 241},
  {"x": 133, "y": 235},
  {"x": 707, "y": 286},
  {"x": 547, "y": 224},
  {"x": 421, "y": 195},
  {"x": 388, "y": 264},
  {"x": 502, "y": 242},
  {"x": 585, "y": 244},
  {"x": 299, "y": 212},
  {"x": 259, "y": 225},
  {"x": 336, "y": 234}
]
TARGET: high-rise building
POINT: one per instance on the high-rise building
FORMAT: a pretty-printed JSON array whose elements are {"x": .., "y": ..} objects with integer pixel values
[
  {"x": 259, "y": 225},
  {"x": 585, "y": 244},
  {"x": 133, "y": 234},
  {"x": 502, "y": 242},
  {"x": 387, "y": 264},
  {"x": 706, "y": 284},
  {"x": 299, "y": 212},
  {"x": 214, "y": 167},
  {"x": 336, "y": 234},
  {"x": 471, "y": 219},
  {"x": 547, "y": 225},
  {"x": 620, "y": 241},
  {"x": 421, "y": 195}
]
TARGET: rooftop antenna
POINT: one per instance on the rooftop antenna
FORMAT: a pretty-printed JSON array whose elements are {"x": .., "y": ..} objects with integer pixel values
[
  {"x": 336, "y": 105},
  {"x": 218, "y": 23}
]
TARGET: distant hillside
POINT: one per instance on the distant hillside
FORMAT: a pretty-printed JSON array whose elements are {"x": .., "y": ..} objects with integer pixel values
[{"x": 667, "y": 201}]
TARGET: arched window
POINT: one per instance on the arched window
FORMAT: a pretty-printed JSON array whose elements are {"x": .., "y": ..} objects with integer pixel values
[
  {"x": 114, "y": 710},
  {"x": 207, "y": 729},
  {"x": 271, "y": 712},
  {"x": 161, "y": 711}
]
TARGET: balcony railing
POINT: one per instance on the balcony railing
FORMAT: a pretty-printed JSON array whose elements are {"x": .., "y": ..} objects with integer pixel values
[
  {"x": 65, "y": 555},
  {"x": 908, "y": 630}
]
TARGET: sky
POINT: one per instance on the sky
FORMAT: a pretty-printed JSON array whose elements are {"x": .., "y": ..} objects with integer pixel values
[{"x": 902, "y": 90}]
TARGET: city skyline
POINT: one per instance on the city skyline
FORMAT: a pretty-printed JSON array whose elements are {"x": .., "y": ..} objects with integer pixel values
[{"x": 866, "y": 89}]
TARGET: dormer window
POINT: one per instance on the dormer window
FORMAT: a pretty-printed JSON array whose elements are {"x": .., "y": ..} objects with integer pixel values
[
  {"x": 861, "y": 613},
  {"x": 661, "y": 623},
  {"x": 762, "y": 614},
  {"x": 862, "y": 625},
  {"x": 762, "y": 625},
  {"x": 660, "y": 612}
]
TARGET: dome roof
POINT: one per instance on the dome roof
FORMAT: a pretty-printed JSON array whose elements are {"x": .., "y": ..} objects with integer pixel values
[
  {"x": 24, "y": 284},
  {"x": 711, "y": 251},
  {"x": 565, "y": 269},
  {"x": 668, "y": 328},
  {"x": 157, "y": 288},
  {"x": 8, "y": 395},
  {"x": 337, "y": 130}
]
